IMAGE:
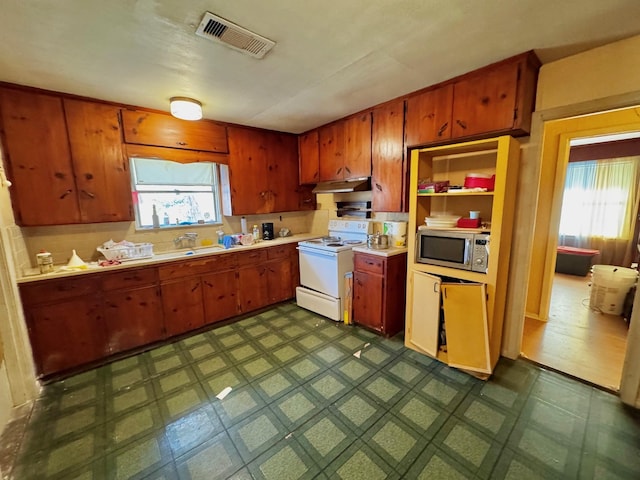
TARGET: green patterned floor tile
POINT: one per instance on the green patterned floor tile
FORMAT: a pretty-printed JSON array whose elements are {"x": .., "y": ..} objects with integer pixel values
[
  {"x": 292, "y": 331},
  {"x": 384, "y": 389},
  {"x": 330, "y": 355},
  {"x": 470, "y": 447},
  {"x": 565, "y": 394},
  {"x": 354, "y": 369},
  {"x": 304, "y": 369},
  {"x": 231, "y": 340},
  {"x": 444, "y": 393},
  {"x": 136, "y": 361},
  {"x": 360, "y": 462},
  {"x": 487, "y": 417},
  {"x": 238, "y": 405},
  {"x": 75, "y": 381},
  {"x": 425, "y": 417},
  {"x": 167, "y": 363},
  {"x": 138, "y": 423},
  {"x": 216, "y": 459},
  {"x": 139, "y": 459},
  {"x": 395, "y": 442},
  {"x": 549, "y": 452},
  {"x": 82, "y": 396},
  {"x": 405, "y": 372},
  {"x": 77, "y": 421},
  {"x": 257, "y": 367},
  {"x": 310, "y": 342},
  {"x": 192, "y": 430},
  {"x": 357, "y": 411},
  {"x": 217, "y": 382},
  {"x": 435, "y": 464},
  {"x": 285, "y": 461},
  {"x": 424, "y": 361},
  {"x": 256, "y": 434},
  {"x": 242, "y": 353},
  {"x": 174, "y": 380},
  {"x": 280, "y": 322},
  {"x": 199, "y": 351},
  {"x": 331, "y": 331},
  {"x": 456, "y": 376},
  {"x": 511, "y": 466},
  {"x": 324, "y": 437},
  {"x": 271, "y": 341},
  {"x": 351, "y": 343},
  {"x": 256, "y": 331},
  {"x": 328, "y": 387},
  {"x": 376, "y": 356},
  {"x": 165, "y": 350},
  {"x": 275, "y": 385},
  {"x": 553, "y": 421},
  {"x": 189, "y": 342},
  {"x": 207, "y": 367},
  {"x": 287, "y": 353},
  {"x": 184, "y": 401},
  {"x": 127, "y": 378},
  {"x": 295, "y": 408}
]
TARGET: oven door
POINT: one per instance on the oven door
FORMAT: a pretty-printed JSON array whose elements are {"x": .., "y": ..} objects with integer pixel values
[{"x": 319, "y": 270}]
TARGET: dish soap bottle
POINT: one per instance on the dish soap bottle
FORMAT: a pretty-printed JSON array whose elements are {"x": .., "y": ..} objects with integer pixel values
[
  {"x": 154, "y": 218},
  {"x": 256, "y": 234}
]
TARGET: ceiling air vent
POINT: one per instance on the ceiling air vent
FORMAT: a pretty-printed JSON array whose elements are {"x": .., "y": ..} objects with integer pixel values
[{"x": 233, "y": 36}]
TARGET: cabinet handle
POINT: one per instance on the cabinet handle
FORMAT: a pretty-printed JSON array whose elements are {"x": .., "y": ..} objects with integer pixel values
[
  {"x": 181, "y": 143},
  {"x": 347, "y": 169},
  {"x": 307, "y": 200},
  {"x": 338, "y": 171},
  {"x": 462, "y": 124},
  {"x": 443, "y": 128},
  {"x": 68, "y": 192},
  {"x": 195, "y": 287},
  {"x": 379, "y": 187},
  {"x": 89, "y": 194}
]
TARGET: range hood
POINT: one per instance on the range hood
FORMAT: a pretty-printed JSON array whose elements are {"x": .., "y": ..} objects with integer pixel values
[{"x": 353, "y": 185}]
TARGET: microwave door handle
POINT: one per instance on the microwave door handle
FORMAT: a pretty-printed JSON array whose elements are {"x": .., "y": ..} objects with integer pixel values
[{"x": 467, "y": 252}]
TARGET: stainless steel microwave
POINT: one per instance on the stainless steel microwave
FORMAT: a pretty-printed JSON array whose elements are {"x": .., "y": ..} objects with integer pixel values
[{"x": 454, "y": 249}]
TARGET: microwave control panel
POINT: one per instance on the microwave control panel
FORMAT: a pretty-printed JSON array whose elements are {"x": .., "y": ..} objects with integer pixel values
[{"x": 480, "y": 253}]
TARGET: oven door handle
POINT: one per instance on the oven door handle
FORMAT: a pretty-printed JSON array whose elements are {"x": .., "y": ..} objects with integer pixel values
[{"x": 316, "y": 252}]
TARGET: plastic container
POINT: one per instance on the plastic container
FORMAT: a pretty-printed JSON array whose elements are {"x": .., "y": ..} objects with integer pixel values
[
  {"x": 256, "y": 233},
  {"x": 45, "y": 261},
  {"x": 609, "y": 287},
  {"x": 480, "y": 180},
  {"x": 122, "y": 253}
]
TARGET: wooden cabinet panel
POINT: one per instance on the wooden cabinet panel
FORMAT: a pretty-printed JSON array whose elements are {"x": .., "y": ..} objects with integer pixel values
[
  {"x": 130, "y": 278},
  {"x": 309, "y": 157},
  {"x": 423, "y": 331},
  {"x": 252, "y": 257},
  {"x": 67, "y": 334},
  {"x": 465, "y": 313},
  {"x": 101, "y": 168},
  {"x": 186, "y": 268},
  {"x": 55, "y": 290},
  {"x": 253, "y": 289},
  {"x": 163, "y": 130},
  {"x": 220, "y": 294},
  {"x": 389, "y": 180},
  {"x": 357, "y": 156},
  {"x": 36, "y": 151},
  {"x": 182, "y": 305},
  {"x": 332, "y": 141},
  {"x": 280, "y": 280},
  {"x": 367, "y": 299},
  {"x": 133, "y": 318},
  {"x": 428, "y": 117},
  {"x": 487, "y": 102},
  {"x": 369, "y": 263},
  {"x": 282, "y": 180}
]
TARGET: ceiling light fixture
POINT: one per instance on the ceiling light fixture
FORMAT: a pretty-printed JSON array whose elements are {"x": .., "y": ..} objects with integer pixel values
[{"x": 186, "y": 108}]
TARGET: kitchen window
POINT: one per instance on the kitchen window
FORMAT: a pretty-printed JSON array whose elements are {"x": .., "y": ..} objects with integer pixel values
[{"x": 182, "y": 193}]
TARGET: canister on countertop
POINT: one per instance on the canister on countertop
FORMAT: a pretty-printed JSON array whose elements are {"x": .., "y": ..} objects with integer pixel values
[
  {"x": 397, "y": 232},
  {"x": 45, "y": 261}
]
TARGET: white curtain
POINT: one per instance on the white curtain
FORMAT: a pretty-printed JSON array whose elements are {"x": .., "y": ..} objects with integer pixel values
[{"x": 600, "y": 206}]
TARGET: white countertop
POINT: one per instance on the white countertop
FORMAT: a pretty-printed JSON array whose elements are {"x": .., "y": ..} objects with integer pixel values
[
  {"x": 387, "y": 252},
  {"x": 60, "y": 271}
]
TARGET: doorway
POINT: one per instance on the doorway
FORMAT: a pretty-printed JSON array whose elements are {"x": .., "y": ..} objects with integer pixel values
[{"x": 595, "y": 349}]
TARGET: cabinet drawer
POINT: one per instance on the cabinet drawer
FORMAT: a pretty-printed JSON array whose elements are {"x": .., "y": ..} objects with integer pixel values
[
  {"x": 281, "y": 251},
  {"x": 195, "y": 267},
  {"x": 52, "y": 291},
  {"x": 146, "y": 128},
  {"x": 252, "y": 257},
  {"x": 130, "y": 278},
  {"x": 369, "y": 263}
]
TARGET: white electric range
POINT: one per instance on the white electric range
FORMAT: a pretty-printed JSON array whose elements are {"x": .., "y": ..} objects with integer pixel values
[{"x": 324, "y": 263}]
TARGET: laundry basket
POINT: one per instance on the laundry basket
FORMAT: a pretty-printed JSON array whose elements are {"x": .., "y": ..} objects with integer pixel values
[{"x": 609, "y": 287}]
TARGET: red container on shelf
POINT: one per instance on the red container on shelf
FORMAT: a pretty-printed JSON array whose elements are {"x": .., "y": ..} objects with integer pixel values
[
  {"x": 480, "y": 180},
  {"x": 469, "y": 223},
  {"x": 433, "y": 187}
]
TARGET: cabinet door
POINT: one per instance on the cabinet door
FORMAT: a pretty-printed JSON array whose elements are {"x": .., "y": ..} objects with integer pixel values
[
  {"x": 487, "y": 102},
  {"x": 282, "y": 180},
  {"x": 389, "y": 171},
  {"x": 248, "y": 192},
  {"x": 163, "y": 130},
  {"x": 428, "y": 117},
  {"x": 309, "y": 158},
  {"x": 253, "y": 288},
  {"x": 423, "y": 331},
  {"x": 368, "y": 290},
  {"x": 182, "y": 305},
  {"x": 331, "y": 138},
  {"x": 133, "y": 318},
  {"x": 357, "y": 156},
  {"x": 36, "y": 149},
  {"x": 220, "y": 292},
  {"x": 465, "y": 314},
  {"x": 280, "y": 280},
  {"x": 101, "y": 169},
  {"x": 67, "y": 334}
]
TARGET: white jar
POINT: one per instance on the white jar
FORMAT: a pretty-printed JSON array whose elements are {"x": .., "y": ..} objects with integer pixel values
[{"x": 45, "y": 262}]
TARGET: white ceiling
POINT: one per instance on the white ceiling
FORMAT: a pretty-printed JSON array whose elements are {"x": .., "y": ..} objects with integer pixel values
[{"x": 332, "y": 57}]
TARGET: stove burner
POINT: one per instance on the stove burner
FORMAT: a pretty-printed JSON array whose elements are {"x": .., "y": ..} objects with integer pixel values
[
  {"x": 351, "y": 242},
  {"x": 334, "y": 244},
  {"x": 328, "y": 240}
]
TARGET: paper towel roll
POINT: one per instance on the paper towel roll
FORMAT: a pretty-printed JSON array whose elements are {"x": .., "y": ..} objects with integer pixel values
[{"x": 397, "y": 232}]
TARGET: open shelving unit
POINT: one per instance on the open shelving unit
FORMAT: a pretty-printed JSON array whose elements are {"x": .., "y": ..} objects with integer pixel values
[{"x": 471, "y": 303}]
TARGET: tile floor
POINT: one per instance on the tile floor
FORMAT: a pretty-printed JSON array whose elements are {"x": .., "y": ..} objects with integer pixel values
[{"x": 303, "y": 406}]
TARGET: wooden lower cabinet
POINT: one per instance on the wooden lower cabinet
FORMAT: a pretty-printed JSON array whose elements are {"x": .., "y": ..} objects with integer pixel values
[
  {"x": 379, "y": 292},
  {"x": 67, "y": 334},
  {"x": 253, "y": 288},
  {"x": 220, "y": 296},
  {"x": 182, "y": 305},
  {"x": 133, "y": 318}
]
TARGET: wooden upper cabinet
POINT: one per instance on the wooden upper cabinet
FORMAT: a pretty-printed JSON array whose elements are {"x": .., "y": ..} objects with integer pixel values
[
  {"x": 429, "y": 116},
  {"x": 36, "y": 152},
  {"x": 486, "y": 103},
  {"x": 389, "y": 175},
  {"x": 282, "y": 168},
  {"x": 163, "y": 130},
  {"x": 357, "y": 152},
  {"x": 309, "y": 157},
  {"x": 101, "y": 169},
  {"x": 331, "y": 140},
  {"x": 345, "y": 148}
]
